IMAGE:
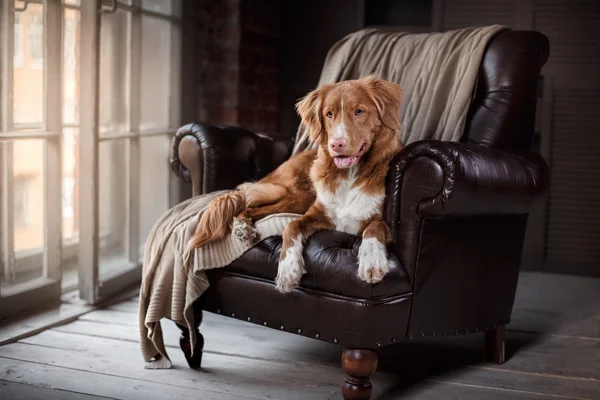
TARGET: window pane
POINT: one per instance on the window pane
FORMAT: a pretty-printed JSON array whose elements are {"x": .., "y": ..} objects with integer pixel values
[
  {"x": 70, "y": 187},
  {"x": 156, "y": 73},
  {"x": 28, "y": 67},
  {"x": 170, "y": 7},
  {"x": 71, "y": 67},
  {"x": 113, "y": 206},
  {"x": 114, "y": 55},
  {"x": 72, "y": 2},
  {"x": 28, "y": 195},
  {"x": 154, "y": 182}
]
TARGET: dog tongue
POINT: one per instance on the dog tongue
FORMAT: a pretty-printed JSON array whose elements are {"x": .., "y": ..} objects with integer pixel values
[{"x": 345, "y": 162}]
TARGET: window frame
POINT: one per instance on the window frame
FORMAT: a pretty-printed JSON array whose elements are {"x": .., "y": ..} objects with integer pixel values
[
  {"x": 46, "y": 289},
  {"x": 57, "y": 252}
]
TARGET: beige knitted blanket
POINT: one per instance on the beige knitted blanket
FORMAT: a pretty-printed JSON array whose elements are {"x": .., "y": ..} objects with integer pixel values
[
  {"x": 437, "y": 71},
  {"x": 171, "y": 284}
]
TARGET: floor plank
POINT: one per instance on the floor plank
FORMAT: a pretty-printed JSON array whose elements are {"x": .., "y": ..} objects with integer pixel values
[
  {"x": 534, "y": 353},
  {"x": 222, "y": 335},
  {"x": 65, "y": 380},
  {"x": 20, "y": 391},
  {"x": 14, "y": 330},
  {"x": 495, "y": 378},
  {"x": 226, "y": 374}
]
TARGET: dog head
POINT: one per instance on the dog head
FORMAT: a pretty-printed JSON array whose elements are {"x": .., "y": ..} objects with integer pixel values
[{"x": 348, "y": 117}]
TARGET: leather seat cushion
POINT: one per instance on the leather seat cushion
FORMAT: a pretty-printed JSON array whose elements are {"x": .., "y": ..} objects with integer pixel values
[{"x": 331, "y": 262}]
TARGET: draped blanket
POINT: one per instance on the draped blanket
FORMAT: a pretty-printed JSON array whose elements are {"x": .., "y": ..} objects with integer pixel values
[
  {"x": 438, "y": 73},
  {"x": 172, "y": 282}
]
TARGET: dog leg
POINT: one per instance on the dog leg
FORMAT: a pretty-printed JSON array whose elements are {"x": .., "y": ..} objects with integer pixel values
[
  {"x": 373, "y": 262},
  {"x": 243, "y": 228},
  {"x": 291, "y": 261}
]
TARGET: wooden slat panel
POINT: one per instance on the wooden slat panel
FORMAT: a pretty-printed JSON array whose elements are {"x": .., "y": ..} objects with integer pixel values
[
  {"x": 466, "y": 13},
  {"x": 574, "y": 216},
  {"x": 571, "y": 27}
]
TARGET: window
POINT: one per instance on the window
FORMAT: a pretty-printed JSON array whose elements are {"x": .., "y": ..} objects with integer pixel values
[
  {"x": 18, "y": 46},
  {"x": 23, "y": 187},
  {"x": 59, "y": 161},
  {"x": 36, "y": 40}
]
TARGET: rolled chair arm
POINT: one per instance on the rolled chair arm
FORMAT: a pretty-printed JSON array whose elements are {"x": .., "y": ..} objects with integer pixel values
[
  {"x": 221, "y": 157},
  {"x": 459, "y": 179}
]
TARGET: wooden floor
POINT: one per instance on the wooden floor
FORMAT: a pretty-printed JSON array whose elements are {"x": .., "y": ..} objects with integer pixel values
[{"x": 553, "y": 349}]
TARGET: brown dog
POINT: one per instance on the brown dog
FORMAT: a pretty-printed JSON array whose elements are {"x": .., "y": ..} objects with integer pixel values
[
  {"x": 340, "y": 186},
  {"x": 356, "y": 124}
]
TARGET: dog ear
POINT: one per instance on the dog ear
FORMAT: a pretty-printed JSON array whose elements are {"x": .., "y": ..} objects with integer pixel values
[
  {"x": 310, "y": 110},
  {"x": 387, "y": 97}
]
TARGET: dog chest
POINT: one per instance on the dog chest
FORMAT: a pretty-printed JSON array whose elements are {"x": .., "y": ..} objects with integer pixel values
[{"x": 349, "y": 206}]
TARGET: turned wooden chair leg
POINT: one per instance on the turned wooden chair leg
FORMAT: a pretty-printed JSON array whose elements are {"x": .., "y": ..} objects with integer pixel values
[
  {"x": 193, "y": 360},
  {"x": 494, "y": 345},
  {"x": 359, "y": 365}
]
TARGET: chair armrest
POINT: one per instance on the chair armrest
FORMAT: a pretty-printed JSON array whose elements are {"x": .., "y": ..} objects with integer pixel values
[
  {"x": 435, "y": 178},
  {"x": 221, "y": 157}
]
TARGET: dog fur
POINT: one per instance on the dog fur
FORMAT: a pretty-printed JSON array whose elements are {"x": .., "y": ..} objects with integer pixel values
[{"x": 339, "y": 186}]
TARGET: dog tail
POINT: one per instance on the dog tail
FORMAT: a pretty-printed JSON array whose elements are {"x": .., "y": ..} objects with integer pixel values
[{"x": 215, "y": 222}]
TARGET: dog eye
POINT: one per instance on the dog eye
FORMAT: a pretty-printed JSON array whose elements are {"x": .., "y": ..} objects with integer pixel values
[
  {"x": 329, "y": 114},
  {"x": 358, "y": 112}
]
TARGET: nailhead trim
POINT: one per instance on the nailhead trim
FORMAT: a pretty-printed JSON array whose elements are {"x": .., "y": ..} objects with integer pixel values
[
  {"x": 265, "y": 323},
  {"x": 282, "y": 327},
  {"x": 378, "y": 343},
  {"x": 422, "y": 334},
  {"x": 393, "y": 339},
  {"x": 409, "y": 337},
  {"x": 249, "y": 319},
  {"x": 219, "y": 311},
  {"x": 432, "y": 333},
  {"x": 299, "y": 330},
  {"x": 233, "y": 314},
  {"x": 317, "y": 336},
  {"x": 335, "y": 340},
  {"x": 445, "y": 333}
]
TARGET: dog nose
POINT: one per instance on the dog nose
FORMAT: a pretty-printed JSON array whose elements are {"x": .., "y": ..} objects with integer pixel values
[{"x": 337, "y": 144}]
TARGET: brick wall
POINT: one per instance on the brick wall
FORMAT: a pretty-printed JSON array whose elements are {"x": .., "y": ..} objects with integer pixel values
[{"x": 238, "y": 58}]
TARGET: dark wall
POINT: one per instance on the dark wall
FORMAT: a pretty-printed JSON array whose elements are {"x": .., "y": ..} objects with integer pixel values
[{"x": 309, "y": 28}]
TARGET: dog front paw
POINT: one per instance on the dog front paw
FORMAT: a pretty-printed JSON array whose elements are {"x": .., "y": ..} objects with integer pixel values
[
  {"x": 244, "y": 230},
  {"x": 290, "y": 270},
  {"x": 373, "y": 262}
]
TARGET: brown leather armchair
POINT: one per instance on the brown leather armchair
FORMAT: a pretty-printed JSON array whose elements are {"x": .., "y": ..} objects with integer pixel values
[{"x": 457, "y": 211}]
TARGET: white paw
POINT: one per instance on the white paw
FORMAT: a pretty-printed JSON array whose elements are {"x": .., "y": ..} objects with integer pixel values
[
  {"x": 373, "y": 262},
  {"x": 290, "y": 269},
  {"x": 244, "y": 231}
]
